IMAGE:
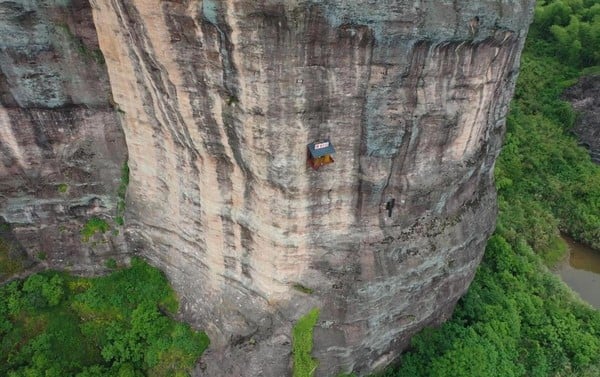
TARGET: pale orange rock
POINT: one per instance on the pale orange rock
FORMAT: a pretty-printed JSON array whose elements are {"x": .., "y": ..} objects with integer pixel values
[{"x": 218, "y": 101}]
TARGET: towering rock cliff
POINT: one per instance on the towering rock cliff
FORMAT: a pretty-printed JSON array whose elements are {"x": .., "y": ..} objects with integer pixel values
[
  {"x": 218, "y": 101},
  {"x": 61, "y": 143}
]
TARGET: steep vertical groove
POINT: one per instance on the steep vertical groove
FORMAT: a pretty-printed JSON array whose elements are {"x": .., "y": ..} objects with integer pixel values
[{"x": 154, "y": 74}]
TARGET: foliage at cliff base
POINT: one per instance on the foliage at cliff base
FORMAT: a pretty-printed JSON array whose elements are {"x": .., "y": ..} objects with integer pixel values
[{"x": 53, "y": 324}]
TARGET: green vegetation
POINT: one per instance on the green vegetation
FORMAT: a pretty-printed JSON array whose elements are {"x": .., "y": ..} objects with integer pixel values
[
  {"x": 62, "y": 188},
  {"x": 52, "y": 324},
  {"x": 122, "y": 191},
  {"x": 517, "y": 318},
  {"x": 93, "y": 226},
  {"x": 111, "y": 263},
  {"x": 304, "y": 289},
  {"x": 83, "y": 50},
  {"x": 232, "y": 100},
  {"x": 302, "y": 343},
  {"x": 9, "y": 264},
  {"x": 11, "y": 260},
  {"x": 541, "y": 172},
  {"x": 570, "y": 30}
]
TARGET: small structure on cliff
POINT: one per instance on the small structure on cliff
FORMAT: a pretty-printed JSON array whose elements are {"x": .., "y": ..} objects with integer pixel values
[{"x": 319, "y": 154}]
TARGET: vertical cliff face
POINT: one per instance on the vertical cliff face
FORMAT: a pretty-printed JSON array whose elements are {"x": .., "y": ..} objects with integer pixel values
[
  {"x": 219, "y": 100},
  {"x": 61, "y": 145}
]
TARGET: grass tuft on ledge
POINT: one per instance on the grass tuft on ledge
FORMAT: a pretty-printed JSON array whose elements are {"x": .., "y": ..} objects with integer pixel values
[
  {"x": 302, "y": 343},
  {"x": 93, "y": 226}
]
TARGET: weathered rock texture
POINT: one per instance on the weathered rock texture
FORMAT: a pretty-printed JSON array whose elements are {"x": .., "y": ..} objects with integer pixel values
[
  {"x": 585, "y": 97},
  {"x": 220, "y": 99},
  {"x": 61, "y": 144}
]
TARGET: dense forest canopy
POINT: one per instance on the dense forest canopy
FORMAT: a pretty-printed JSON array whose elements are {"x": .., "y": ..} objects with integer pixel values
[{"x": 56, "y": 325}]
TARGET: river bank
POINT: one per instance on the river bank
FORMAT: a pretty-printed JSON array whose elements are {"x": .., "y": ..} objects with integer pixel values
[{"x": 581, "y": 271}]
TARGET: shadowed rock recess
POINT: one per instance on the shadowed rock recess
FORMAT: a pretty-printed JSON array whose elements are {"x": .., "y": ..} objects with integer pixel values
[
  {"x": 585, "y": 98},
  {"x": 218, "y": 100}
]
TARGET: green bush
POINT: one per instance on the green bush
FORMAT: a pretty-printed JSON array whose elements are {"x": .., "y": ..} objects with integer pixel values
[
  {"x": 9, "y": 264},
  {"x": 53, "y": 324},
  {"x": 302, "y": 343},
  {"x": 92, "y": 226},
  {"x": 301, "y": 288},
  {"x": 111, "y": 263}
]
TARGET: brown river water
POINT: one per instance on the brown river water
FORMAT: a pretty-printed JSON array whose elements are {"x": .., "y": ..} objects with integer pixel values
[{"x": 581, "y": 271}]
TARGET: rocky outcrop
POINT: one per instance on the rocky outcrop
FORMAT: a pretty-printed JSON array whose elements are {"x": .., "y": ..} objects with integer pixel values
[
  {"x": 585, "y": 98},
  {"x": 219, "y": 100},
  {"x": 61, "y": 144}
]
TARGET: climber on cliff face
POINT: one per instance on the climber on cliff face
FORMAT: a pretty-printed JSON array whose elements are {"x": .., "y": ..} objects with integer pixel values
[{"x": 389, "y": 206}]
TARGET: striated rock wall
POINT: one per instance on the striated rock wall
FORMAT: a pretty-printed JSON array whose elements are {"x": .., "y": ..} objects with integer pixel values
[
  {"x": 220, "y": 98},
  {"x": 217, "y": 100},
  {"x": 61, "y": 144}
]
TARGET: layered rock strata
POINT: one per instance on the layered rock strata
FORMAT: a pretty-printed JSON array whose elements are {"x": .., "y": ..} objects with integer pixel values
[
  {"x": 61, "y": 144},
  {"x": 219, "y": 100}
]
